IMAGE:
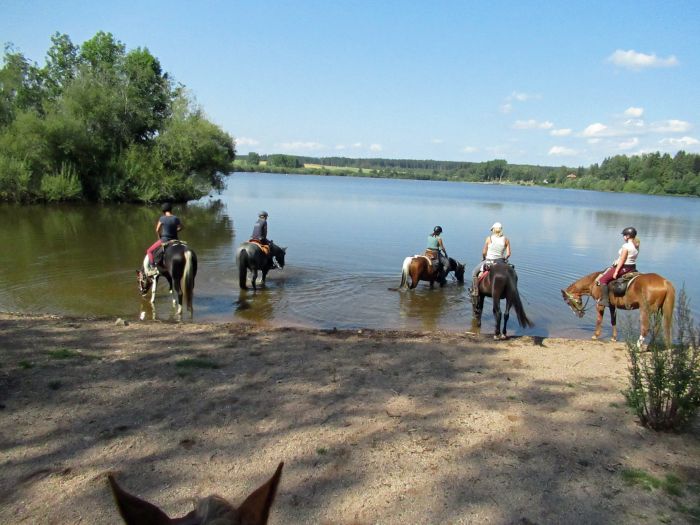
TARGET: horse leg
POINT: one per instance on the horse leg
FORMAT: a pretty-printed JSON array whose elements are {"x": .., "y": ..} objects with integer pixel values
[
  {"x": 264, "y": 276},
  {"x": 599, "y": 309},
  {"x": 613, "y": 322},
  {"x": 154, "y": 285},
  {"x": 497, "y": 316},
  {"x": 254, "y": 277},
  {"x": 506, "y": 314},
  {"x": 643, "y": 326}
]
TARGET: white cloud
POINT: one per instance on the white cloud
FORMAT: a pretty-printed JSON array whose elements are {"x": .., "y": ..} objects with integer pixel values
[
  {"x": 595, "y": 130},
  {"x": 636, "y": 123},
  {"x": 301, "y": 146},
  {"x": 561, "y": 151},
  {"x": 507, "y": 107},
  {"x": 634, "y": 112},
  {"x": 340, "y": 146},
  {"x": 436, "y": 141},
  {"x": 516, "y": 96},
  {"x": 532, "y": 124},
  {"x": 682, "y": 142},
  {"x": 375, "y": 147},
  {"x": 634, "y": 60},
  {"x": 357, "y": 145},
  {"x": 671, "y": 126},
  {"x": 245, "y": 141},
  {"x": 563, "y": 132},
  {"x": 594, "y": 140},
  {"x": 633, "y": 142},
  {"x": 469, "y": 149}
]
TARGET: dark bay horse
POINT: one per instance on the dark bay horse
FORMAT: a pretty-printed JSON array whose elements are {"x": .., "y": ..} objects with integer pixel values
[
  {"x": 251, "y": 257},
  {"x": 501, "y": 282},
  {"x": 179, "y": 267},
  {"x": 212, "y": 510},
  {"x": 418, "y": 268},
  {"x": 648, "y": 292}
]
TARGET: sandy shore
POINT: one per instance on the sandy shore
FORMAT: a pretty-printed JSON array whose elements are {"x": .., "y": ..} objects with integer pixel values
[{"x": 374, "y": 427}]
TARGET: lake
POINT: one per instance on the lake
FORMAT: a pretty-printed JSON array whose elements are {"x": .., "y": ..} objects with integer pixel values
[{"x": 346, "y": 238}]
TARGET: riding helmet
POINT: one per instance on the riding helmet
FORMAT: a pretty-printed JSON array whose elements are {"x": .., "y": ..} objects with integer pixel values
[
  {"x": 497, "y": 226},
  {"x": 167, "y": 207},
  {"x": 437, "y": 229},
  {"x": 630, "y": 231},
  {"x": 262, "y": 214}
]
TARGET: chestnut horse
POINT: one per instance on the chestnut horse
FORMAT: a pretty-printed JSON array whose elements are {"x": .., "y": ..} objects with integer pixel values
[
  {"x": 212, "y": 510},
  {"x": 648, "y": 293},
  {"x": 501, "y": 282},
  {"x": 418, "y": 268}
]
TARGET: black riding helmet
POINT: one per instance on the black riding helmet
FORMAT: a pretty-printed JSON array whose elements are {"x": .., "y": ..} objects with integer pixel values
[
  {"x": 262, "y": 214},
  {"x": 166, "y": 207},
  {"x": 437, "y": 230},
  {"x": 630, "y": 231}
]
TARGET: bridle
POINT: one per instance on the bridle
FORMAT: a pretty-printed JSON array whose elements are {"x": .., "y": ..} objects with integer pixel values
[{"x": 577, "y": 306}]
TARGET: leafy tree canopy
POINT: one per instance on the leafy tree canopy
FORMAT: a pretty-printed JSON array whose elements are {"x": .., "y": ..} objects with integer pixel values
[{"x": 100, "y": 122}]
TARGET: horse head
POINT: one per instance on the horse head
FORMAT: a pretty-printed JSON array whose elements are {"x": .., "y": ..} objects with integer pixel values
[
  {"x": 458, "y": 269},
  {"x": 144, "y": 281},
  {"x": 574, "y": 301},
  {"x": 211, "y": 510},
  {"x": 278, "y": 253}
]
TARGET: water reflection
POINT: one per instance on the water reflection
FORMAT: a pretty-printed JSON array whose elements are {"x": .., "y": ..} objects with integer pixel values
[{"x": 347, "y": 238}]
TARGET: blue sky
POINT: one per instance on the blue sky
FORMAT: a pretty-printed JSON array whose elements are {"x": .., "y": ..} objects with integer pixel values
[{"x": 550, "y": 83}]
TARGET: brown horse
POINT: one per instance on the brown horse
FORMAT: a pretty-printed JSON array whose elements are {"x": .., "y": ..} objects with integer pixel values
[
  {"x": 212, "y": 510},
  {"x": 501, "y": 282},
  {"x": 648, "y": 293},
  {"x": 418, "y": 268}
]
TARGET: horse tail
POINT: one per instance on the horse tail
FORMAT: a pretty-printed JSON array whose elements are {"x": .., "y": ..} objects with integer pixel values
[
  {"x": 187, "y": 280},
  {"x": 667, "y": 310},
  {"x": 404, "y": 272},
  {"x": 242, "y": 262},
  {"x": 513, "y": 297}
]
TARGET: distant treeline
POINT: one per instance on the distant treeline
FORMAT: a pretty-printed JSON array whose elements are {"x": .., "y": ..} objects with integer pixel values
[
  {"x": 97, "y": 122},
  {"x": 651, "y": 173}
]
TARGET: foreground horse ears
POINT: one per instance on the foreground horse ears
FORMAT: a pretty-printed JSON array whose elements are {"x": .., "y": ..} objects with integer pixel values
[{"x": 212, "y": 510}]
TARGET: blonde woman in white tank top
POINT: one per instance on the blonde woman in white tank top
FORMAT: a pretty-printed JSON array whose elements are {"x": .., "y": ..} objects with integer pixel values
[{"x": 496, "y": 248}]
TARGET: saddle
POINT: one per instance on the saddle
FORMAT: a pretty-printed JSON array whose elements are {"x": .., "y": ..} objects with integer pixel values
[
  {"x": 159, "y": 253},
  {"x": 432, "y": 257},
  {"x": 619, "y": 286},
  {"x": 264, "y": 247},
  {"x": 486, "y": 268}
]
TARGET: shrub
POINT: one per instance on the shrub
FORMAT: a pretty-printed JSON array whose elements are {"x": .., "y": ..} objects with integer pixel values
[
  {"x": 15, "y": 180},
  {"x": 62, "y": 186},
  {"x": 664, "y": 388}
]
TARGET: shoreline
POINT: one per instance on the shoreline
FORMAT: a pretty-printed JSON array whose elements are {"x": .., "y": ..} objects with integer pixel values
[{"x": 383, "y": 426}]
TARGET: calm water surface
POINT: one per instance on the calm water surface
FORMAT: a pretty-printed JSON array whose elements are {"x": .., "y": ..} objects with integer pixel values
[{"x": 346, "y": 239}]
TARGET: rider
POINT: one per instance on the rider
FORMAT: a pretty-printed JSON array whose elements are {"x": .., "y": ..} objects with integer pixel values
[
  {"x": 166, "y": 228},
  {"x": 496, "y": 249},
  {"x": 259, "y": 234},
  {"x": 435, "y": 244},
  {"x": 626, "y": 262}
]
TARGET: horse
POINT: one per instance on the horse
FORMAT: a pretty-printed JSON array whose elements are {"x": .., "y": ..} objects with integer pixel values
[
  {"x": 251, "y": 257},
  {"x": 212, "y": 510},
  {"x": 648, "y": 293},
  {"x": 418, "y": 268},
  {"x": 179, "y": 267},
  {"x": 501, "y": 282}
]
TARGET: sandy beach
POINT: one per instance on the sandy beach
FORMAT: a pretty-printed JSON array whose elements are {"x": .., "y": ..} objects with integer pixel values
[{"x": 374, "y": 427}]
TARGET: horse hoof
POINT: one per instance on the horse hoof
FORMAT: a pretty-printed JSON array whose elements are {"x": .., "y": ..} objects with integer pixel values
[
  {"x": 613, "y": 339},
  {"x": 594, "y": 337}
]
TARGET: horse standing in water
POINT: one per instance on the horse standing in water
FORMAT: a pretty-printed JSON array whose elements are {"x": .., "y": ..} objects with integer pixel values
[
  {"x": 647, "y": 292},
  {"x": 418, "y": 268},
  {"x": 179, "y": 267},
  {"x": 250, "y": 256},
  {"x": 500, "y": 282}
]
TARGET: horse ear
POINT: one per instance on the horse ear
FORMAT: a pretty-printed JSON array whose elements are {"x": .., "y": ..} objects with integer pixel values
[
  {"x": 136, "y": 511},
  {"x": 284, "y": 249},
  {"x": 256, "y": 507}
]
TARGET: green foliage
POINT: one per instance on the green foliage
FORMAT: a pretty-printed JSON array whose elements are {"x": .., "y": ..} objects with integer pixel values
[
  {"x": 253, "y": 159},
  {"x": 107, "y": 122},
  {"x": 670, "y": 484},
  {"x": 62, "y": 186},
  {"x": 664, "y": 389}
]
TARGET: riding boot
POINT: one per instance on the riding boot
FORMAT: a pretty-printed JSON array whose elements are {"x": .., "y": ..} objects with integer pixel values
[{"x": 604, "y": 295}]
